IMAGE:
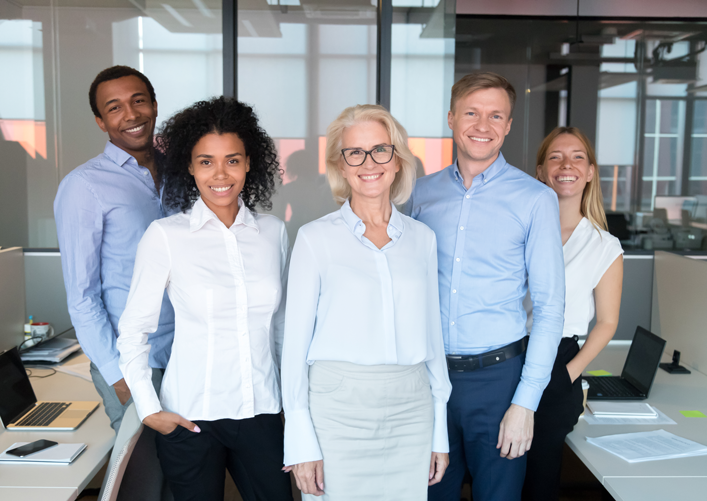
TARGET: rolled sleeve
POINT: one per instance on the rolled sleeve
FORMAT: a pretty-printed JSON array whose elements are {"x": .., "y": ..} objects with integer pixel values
[
  {"x": 141, "y": 318},
  {"x": 301, "y": 444},
  {"x": 546, "y": 282},
  {"x": 79, "y": 221}
]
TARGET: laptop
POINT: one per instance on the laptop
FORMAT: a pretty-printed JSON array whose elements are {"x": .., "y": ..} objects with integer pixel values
[
  {"x": 639, "y": 371},
  {"x": 19, "y": 408}
]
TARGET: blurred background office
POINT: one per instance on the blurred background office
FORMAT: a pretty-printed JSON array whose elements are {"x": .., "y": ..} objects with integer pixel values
[{"x": 631, "y": 74}]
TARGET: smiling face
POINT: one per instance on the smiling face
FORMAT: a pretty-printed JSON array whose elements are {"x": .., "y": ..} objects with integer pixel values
[
  {"x": 369, "y": 180},
  {"x": 219, "y": 165},
  {"x": 127, "y": 114},
  {"x": 566, "y": 168},
  {"x": 480, "y": 122}
]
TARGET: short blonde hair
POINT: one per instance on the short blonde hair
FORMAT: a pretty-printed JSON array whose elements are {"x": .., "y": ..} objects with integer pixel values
[
  {"x": 481, "y": 80},
  {"x": 402, "y": 186},
  {"x": 592, "y": 206}
]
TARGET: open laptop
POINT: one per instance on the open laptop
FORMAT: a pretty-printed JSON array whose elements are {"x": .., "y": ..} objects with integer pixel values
[
  {"x": 19, "y": 409},
  {"x": 639, "y": 371}
]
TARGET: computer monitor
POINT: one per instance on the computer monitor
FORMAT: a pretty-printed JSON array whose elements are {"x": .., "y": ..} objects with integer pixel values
[{"x": 12, "y": 297}]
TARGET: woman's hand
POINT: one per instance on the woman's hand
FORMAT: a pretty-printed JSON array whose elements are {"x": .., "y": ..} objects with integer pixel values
[
  {"x": 310, "y": 477},
  {"x": 438, "y": 465},
  {"x": 166, "y": 422},
  {"x": 574, "y": 370}
]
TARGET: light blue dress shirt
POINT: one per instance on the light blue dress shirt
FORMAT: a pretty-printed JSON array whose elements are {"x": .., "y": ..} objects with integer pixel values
[
  {"x": 349, "y": 301},
  {"x": 494, "y": 241},
  {"x": 102, "y": 209}
]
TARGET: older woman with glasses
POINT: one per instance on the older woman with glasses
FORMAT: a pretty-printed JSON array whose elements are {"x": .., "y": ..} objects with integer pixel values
[{"x": 365, "y": 383}]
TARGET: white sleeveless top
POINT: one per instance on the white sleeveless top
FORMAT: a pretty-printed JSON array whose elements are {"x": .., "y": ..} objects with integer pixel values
[{"x": 588, "y": 254}]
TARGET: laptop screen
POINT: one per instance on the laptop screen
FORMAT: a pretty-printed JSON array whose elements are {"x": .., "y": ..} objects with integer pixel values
[
  {"x": 16, "y": 393},
  {"x": 643, "y": 358}
]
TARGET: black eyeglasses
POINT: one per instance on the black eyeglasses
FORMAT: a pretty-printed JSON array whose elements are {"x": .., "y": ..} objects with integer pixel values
[{"x": 381, "y": 154}]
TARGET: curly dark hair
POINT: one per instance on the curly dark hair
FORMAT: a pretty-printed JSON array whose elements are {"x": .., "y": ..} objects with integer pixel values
[
  {"x": 113, "y": 73},
  {"x": 178, "y": 136}
]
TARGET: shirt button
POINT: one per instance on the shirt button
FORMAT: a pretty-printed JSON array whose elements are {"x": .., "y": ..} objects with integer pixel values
[
  {"x": 468, "y": 196},
  {"x": 145, "y": 173},
  {"x": 454, "y": 291},
  {"x": 452, "y": 323},
  {"x": 461, "y": 227},
  {"x": 458, "y": 260}
]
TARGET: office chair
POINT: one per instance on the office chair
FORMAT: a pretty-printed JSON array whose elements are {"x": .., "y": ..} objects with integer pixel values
[{"x": 128, "y": 435}]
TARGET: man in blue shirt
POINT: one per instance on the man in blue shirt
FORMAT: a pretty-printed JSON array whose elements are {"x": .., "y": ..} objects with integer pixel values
[
  {"x": 498, "y": 235},
  {"x": 102, "y": 209}
]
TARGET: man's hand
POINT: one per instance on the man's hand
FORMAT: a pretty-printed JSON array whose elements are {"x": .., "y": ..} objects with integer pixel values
[
  {"x": 516, "y": 432},
  {"x": 166, "y": 422},
  {"x": 438, "y": 465},
  {"x": 310, "y": 477},
  {"x": 122, "y": 391}
]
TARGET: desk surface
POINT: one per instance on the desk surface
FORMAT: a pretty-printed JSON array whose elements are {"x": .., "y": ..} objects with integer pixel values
[
  {"x": 671, "y": 394},
  {"x": 95, "y": 432},
  {"x": 38, "y": 493},
  {"x": 666, "y": 489}
]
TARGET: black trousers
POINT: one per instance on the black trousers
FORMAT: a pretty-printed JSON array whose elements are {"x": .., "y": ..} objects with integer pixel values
[
  {"x": 251, "y": 449},
  {"x": 558, "y": 412}
]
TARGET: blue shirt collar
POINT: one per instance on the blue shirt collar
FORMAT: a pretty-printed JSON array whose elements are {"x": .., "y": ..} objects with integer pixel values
[
  {"x": 498, "y": 166},
  {"x": 118, "y": 155},
  {"x": 201, "y": 214},
  {"x": 354, "y": 223}
]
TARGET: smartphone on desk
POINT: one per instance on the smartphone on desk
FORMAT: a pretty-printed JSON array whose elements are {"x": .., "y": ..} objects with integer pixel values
[{"x": 32, "y": 447}]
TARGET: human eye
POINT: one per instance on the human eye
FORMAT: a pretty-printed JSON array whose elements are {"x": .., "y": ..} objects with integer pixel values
[
  {"x": 471, "y": 113},
  {"x": 382, "y": 148},
  {"x": 233, "y": 161}
]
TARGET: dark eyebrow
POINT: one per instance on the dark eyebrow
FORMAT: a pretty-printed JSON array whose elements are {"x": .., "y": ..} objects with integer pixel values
[
  {"x": 206, "y": 155},
  {"x": 131, "y": 97}
]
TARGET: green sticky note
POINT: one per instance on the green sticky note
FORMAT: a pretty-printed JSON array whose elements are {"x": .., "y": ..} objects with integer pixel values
[
  {"x": 599, "y": 373},
  {"x": 692, "y": 414}
]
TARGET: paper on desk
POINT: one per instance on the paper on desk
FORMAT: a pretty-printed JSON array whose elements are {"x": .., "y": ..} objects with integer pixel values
[
  {"x": 661, "y": 418},
  {"x": 648, "y": 446},
  {"x": 82, "y": 370}
]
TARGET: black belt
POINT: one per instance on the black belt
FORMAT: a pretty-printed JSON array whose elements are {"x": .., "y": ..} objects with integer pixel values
[{"x": 468, "y": 363}]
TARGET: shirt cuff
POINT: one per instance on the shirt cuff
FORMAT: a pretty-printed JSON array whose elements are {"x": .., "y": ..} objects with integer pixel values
[
  {"x": 301, "y": 444},
  {"x": 440, "y": 437},
  {"x": 145, "y": 398},
  {"x": 111, "y": 371},
  {"x": 527, "y": 396}
]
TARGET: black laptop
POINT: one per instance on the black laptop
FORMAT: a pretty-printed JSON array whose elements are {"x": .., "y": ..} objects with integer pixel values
[{"x": 639, "y": 371}]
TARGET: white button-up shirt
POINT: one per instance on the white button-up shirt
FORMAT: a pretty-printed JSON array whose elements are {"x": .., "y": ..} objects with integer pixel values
[
  {"x": 350, "y": 301},
  {"x": 226, "y": 286}
]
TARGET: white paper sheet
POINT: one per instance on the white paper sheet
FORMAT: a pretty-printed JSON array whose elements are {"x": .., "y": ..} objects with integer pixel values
[
  {"x": 82, "y": 370},
  {"x": 590, "y": 418},
  {"x": 648, "y": 446}
]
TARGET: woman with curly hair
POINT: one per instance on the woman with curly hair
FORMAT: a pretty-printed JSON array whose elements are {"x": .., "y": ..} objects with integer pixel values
[{"x": 223, "y": 266}]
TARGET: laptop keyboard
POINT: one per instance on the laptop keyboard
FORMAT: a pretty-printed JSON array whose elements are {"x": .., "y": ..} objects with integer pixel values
[
  {"x": 611, "y": 386},
  {"x": 43, "y": 414}
]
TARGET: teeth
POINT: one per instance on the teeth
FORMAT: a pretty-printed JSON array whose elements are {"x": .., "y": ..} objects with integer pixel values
[
  {"x": 566, "y": 178},
  {"x": 481, "y": 139},
  {"x": 136, "y": 129},
  {"x": 371, "y": 177},
  {"x": 221, "y": 189}
]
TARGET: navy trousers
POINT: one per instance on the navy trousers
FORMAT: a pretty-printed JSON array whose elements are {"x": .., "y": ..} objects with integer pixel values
[{"x": 476, "y": 407}]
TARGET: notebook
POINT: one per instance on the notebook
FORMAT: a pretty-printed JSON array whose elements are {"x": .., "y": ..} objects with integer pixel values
[{"x": 60, "y": 454}]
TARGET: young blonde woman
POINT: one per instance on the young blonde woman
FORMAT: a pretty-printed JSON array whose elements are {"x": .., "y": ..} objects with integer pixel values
[{"x": 593, "y": 278}]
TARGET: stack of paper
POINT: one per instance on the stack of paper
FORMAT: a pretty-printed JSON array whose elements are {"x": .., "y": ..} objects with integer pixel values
[
  {"x": 621, "y": 409},
  {"x": 59, "y": 454},
  {"x": 52, "y": 351},
  {"x": 649, "y": 446}
]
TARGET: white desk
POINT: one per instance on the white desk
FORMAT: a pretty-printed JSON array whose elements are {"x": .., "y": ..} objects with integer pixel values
[
  {"x": 59, "y": 482},
  {"x": 666, "y": 489},
  {"x": 671, "y": 394}
]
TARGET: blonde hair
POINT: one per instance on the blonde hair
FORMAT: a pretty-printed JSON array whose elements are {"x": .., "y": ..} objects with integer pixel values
[
  {"x": 481, "y": 80},
  {"x": 404, "y": 181},
  {"x": 592, "y": 206}
]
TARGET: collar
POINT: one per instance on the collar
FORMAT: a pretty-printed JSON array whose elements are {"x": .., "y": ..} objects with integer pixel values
[
  {"x": 201, "y": 214},
  {"x": 118, "y": 155},
  {"x": 355, "y": 224},
  {"x": 498, "y": 166}
]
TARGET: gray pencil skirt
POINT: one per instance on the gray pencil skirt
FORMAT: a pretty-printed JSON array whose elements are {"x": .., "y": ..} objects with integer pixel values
[{"x": 374, "y": 426}]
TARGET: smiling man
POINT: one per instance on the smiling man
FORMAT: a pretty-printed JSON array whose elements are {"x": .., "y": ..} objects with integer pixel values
[
  {"x": 102, "y": 209},
  {"x": 498, "y": 235}
]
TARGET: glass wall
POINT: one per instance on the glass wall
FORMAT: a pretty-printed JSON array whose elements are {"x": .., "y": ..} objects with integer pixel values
[
  {"x": 50, "y": 51},
  {"x": 638, "y": 89}
]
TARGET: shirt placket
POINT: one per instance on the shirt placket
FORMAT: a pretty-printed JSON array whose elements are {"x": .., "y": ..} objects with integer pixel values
[
  {"x": 457, "y": 264},
  {"x": 386, "y": 288},
  {"x": 242, "y": 331}
]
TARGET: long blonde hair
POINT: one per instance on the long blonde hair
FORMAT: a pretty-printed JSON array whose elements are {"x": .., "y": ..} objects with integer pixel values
[
  {"x": 404, "y": 181},
  {"x": 592, "y": 206}
]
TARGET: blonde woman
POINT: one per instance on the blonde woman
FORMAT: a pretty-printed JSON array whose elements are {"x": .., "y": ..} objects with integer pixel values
[
  {"x": 365, "y": 383},
  {"x": 593, "y": 278}
]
